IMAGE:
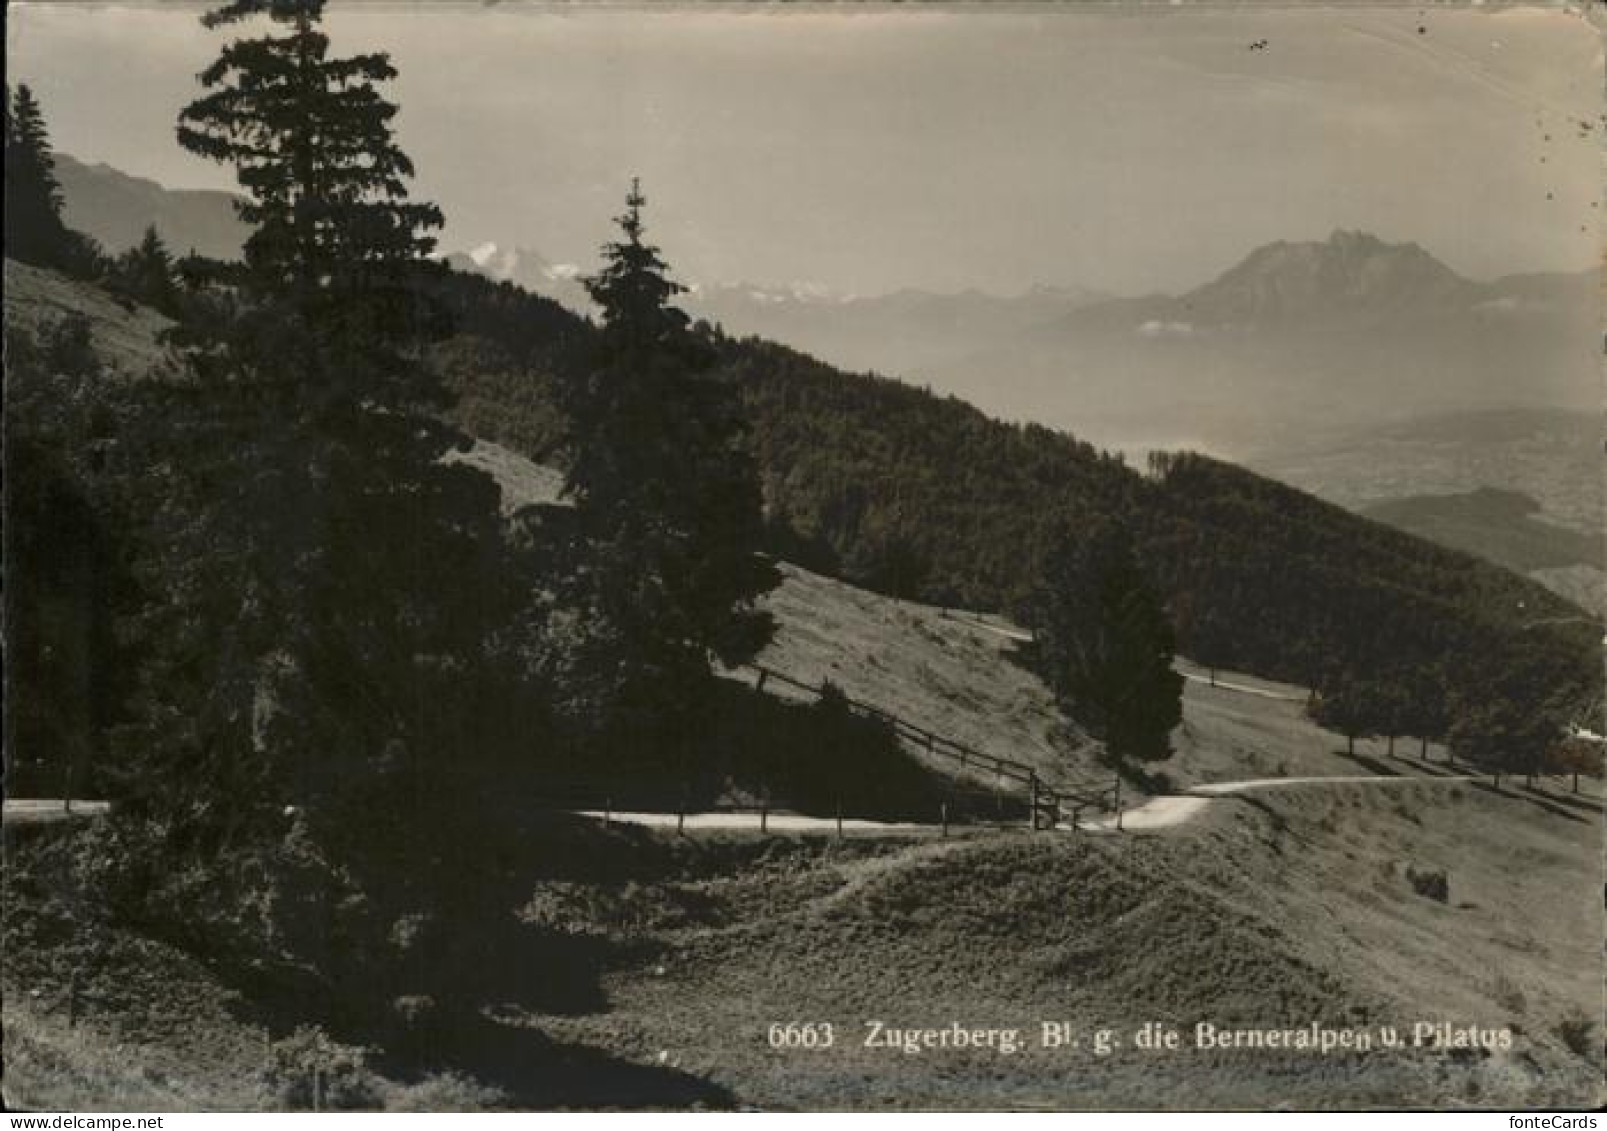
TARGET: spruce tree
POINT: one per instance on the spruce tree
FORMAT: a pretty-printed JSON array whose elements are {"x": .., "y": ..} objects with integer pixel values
[
  {"x": 1105, "y": 642},
  {"x": 667, "y": 495},
  {"x": 332, "y": 585},
  {"x": 34, "y": 232},
  {"x": 311, "y": 140},
  {"x": 335, "y": 237},
  {"x": 1351, "y": 705},
  {"x": 146, "y": 273}
]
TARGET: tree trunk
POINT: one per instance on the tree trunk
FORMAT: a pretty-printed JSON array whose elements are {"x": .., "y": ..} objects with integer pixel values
[
  {"x": 1392, "y": 746},
  {"x": 1422, "y": 752},
  {"x": 1350, "y": 744}
]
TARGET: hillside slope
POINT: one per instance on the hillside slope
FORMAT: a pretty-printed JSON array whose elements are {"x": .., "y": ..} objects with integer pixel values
[
  {"x": 1275, "y": 911},
  {"x": 1551, "y": 457},
  {"x": 887, "y": 486},
  {"x": 126, "y": 336},
  {"x": 1501, "y": 526},
  {"x": 945, "y": 671},
  {"x": 1286, "y": 911}
]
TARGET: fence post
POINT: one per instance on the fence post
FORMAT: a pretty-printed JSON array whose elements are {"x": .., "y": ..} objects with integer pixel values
[
  {"x": 839, "y": 819},
  {"x": 764, "y": 814},
  {"x": 1032, "y": 783},
  {"x": 945, "y": 812},
  {"x": 1117, "y": 801},
  {"x": 608, "y": 811},
  {"x": 763, "y": 675}
]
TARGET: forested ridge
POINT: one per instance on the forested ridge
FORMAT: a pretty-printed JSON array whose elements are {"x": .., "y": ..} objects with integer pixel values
[{"x": 893, "y": 487}]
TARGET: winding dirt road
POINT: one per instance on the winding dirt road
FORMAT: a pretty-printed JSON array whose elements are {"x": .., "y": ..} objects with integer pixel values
[
  {"x": 43, "y": 810},
  {"x": 1177, "y": 809},
  {"x": 1167, "y": 811}
]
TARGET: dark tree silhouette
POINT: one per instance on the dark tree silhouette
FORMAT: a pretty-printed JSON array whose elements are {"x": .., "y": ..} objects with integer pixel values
[
  {"x": 146, "y": 273},
  {"x": 67, "y": 583},
  {"x": 667, "y": 495},
  {"x": 34, "y": 232},
  {"x": 311, "y": 141},
  {"x": 1503, "y": 735},
  {"x": 1105, "y": 643},
  {"x": 1350, "y": 705},
  {"x": 331, "y": 584},
  {"x": 328, "y": 313}
]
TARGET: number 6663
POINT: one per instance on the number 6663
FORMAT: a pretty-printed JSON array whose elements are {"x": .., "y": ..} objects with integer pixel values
[{"x": 814, "y": 1035}]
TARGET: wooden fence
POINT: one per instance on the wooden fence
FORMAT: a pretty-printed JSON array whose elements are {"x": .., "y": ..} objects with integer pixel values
[
  {"x": 1017, "y": 790},
  {"x": 1047, "y": 804}
]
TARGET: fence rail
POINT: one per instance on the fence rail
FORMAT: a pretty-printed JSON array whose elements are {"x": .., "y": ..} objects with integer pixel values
[
  {"x": 1046, "y": 802},
  {"x": 1018, "y": 790}
]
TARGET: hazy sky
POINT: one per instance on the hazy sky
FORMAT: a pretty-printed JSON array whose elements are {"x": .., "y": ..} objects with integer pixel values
[{"x": 864, "y": 150}]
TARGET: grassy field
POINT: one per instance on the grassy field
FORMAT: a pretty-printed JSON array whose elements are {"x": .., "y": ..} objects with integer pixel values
[{"x": 1282, "y": 909}]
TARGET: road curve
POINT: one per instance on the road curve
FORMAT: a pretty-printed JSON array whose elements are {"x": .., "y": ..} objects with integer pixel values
[
  {"x": 1243, "y": 688},
  {"x": 44, "y": 810},
  {"x": 1166, "y": 811},
  {"x": 1170, "y": 810}
]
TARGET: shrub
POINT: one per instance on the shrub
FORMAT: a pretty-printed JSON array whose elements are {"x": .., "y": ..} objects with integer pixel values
[
  {"x": 1573, "y": 1029},
  {"x": 309, "y": 1071},
  {"x": 446, "y": 1091},
  {"x": 1430, "y": 883}
]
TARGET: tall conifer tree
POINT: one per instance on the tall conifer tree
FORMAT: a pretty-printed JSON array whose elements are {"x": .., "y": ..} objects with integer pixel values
[
  {"x": 1105, "y": 641},
  {"x": 667, "y": 495},
  {"x": 34, "y": 232},
  {"x": 333, "y": 584}
]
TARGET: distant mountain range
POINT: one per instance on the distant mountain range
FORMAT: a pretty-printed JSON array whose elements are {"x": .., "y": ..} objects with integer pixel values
[
  {"x": 526, "y": 269},
  {"x": 1363, "y": 370},
  {"x": 898, "y": 334},
  {"x": 116, "y": 209},
  {"x": 1349, "y": 331},
  {"x": 903, "y": 334}
]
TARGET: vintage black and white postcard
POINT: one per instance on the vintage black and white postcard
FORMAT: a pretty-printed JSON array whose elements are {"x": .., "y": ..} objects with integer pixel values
[{"x": 796, "y": 557}]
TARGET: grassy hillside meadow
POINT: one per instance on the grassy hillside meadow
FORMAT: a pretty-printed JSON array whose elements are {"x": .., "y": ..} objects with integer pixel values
[{"x": 675, "y": 955}]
